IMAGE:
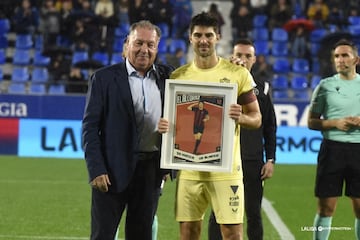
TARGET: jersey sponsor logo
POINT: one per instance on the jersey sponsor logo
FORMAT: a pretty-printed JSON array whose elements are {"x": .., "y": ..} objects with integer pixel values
[
  {"x": 234, "y": 188},
  {"x": 225, "y": 80}
]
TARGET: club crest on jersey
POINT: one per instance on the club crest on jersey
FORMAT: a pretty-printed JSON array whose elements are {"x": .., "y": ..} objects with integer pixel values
[{"x": 225, "y": 80}]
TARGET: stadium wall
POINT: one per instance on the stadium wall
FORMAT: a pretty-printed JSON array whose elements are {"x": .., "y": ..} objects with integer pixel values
[{"x": 50, "y": 126}]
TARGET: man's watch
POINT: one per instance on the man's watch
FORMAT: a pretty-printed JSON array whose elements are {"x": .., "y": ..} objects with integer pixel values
[{"x": 271, "y": 161}]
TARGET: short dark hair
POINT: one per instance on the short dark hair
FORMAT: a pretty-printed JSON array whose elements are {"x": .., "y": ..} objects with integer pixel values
[
  {"x": 204, "y": 19},
  {"x": 346, "y": 42},
  {"x": 244, "y": 41}
]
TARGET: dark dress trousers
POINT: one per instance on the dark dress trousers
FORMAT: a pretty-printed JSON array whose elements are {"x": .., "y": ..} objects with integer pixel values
[{"x": 110, "y": 142}]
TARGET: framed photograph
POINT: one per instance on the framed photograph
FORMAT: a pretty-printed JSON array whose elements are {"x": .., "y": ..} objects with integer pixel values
[{"x": 201, "y": 133}]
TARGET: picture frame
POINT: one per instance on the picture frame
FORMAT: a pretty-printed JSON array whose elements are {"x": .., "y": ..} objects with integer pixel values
[{"x": 200, "y": 138}]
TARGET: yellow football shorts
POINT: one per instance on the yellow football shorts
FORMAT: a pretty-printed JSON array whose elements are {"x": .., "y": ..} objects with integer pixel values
[{"x": 226, "y": 197}]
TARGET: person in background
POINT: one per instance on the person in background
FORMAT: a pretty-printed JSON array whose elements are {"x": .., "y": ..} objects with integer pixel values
[
  {"x": 50, "y": 23},
  {"x": 163, "y": 14},
  {"x": 280, "y": 12},
  {"x": 253, "y": 145},
  {"x": 262, "y": 70},
  {"x": 26, "y": 18},
  {"x": 105, "y": 12},
  {"x": 214, "y": 10},
  {"x": 120, "y": 138},
  {"x": 76, "y": 81},
  {"x": 318, "y": 12},
  {"x": 299, "y": 39},
  {"x": 334, "y": 112},
  {"x": 241, "y": 16},
  {"x": 196, "y": 190},
  {"x": 177, "y": 59}
]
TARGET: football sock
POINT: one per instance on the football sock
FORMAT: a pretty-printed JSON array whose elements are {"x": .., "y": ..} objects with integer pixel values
[
  {"x": 357, "y": 228},
  {"x": 322, "y": 227},
  {"x": 155, "y": 228}
]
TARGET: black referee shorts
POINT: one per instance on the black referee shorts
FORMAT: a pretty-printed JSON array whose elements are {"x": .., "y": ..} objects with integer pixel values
[{"x": 338, "y": 163}]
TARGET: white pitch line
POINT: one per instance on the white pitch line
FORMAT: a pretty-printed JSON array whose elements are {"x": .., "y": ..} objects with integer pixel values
[
  {"x": 276, "y": 221},
  {"x": 44, "y": 237},
  {"x": 41, "y": 237}
]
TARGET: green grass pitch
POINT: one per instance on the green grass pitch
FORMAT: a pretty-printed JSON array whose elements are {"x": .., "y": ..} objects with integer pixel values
[{"x": 49, "y": 199}]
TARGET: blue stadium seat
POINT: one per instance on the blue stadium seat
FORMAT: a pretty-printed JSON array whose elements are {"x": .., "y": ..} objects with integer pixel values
[
  {"x": 40, "y": 60},
  {"x": 122, "y": 30},
  {"x": 79, "y": 56},
  {"x": 4, "y": 43},
  {"x": 17, "y": 88},
  {"x": 86, "y": 73},
  {"x": 354, "y": 30},
  {"x": 302, "y": 94},
  {"x": 20, "y": 74},
  {"x": 37, "y": 89},
  {"x": 301, "y": 66},
  {"x": 279, "y": 34},
  {"x": 63, "y": 41},
  {"x": 102, "y": 57},
  {"x": 177, "y": 43},
  {"x": 281, "y": 65},
  {"x": 261, "y": 33},
  {"x": 1, "y": 74},
  {"x": 56, "y": 89},
  {"x": 21, "y": 57},
  {"x": 163, "y": 47},
  {"x": 24, "y": 41},
  {"x": 317, "y": 34},
  {"x": 280, "y": 94},
  {"x": 116, "y": 58},
  {"x": 314, "y": 81},
  {"x": 39, "y": 42},
  {"x": 314, "y": 48},
  {"x": 118, "y": 44},
  {"x": 262, "y": 47},
  {"x": 279, "y": 81},
  {"x": 260, "y": 20},
  {"x": 354, "y": 20},
  {"x": 315, "y": 65},
  {"x": 4, "y": 26},
  {"x": 2, "y": 56},
  {"x": 299, "y": 82},
  {"x": 40, "y": 75},
  {"x": 165, "y": 31},
  {"x": 279, "y": 49}
]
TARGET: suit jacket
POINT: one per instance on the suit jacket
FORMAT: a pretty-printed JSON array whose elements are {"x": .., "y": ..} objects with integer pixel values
[
  {"x": 254, "y": 142},
  {"x": 110, "y": 136}
]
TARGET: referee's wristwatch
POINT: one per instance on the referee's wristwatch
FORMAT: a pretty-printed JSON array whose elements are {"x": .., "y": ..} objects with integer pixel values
[{"x": 271, "y": 161}]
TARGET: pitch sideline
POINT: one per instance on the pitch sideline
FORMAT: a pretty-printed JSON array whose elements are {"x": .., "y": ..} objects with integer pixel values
[{"x": 276, "y": 221}]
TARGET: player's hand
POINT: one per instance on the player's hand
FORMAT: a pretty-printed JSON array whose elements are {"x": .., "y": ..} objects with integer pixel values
[
  {"x": 237, "y": 61},
  {"x": 354, "y": 121},
  {"x": 344, "y": 124},
  {"x": 235, "y": 112},
  {"x": 101, "y": 183},
  {"x": 163, "y": 125},
  {"x": 267, "y": 170}
]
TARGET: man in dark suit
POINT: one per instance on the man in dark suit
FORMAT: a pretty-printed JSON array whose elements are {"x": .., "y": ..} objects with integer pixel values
[{"x": 120, "y": 137}]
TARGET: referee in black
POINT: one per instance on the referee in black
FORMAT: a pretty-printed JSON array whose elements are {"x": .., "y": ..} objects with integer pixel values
[{"x": 253, "y": 144}]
